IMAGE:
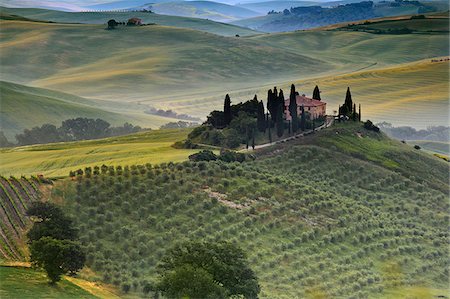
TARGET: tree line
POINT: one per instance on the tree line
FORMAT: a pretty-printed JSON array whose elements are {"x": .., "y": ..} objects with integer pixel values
[
  {"x": 244, "y": 122},
  {"x": 70, "y": 130}
]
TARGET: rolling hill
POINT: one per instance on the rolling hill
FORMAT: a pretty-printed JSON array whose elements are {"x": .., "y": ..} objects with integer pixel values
[
  {"x": 167, "y": 67},
  {"x": 215, "y": 11},
  {"x": 24, "y": 107},
  {"x": 103, "y": 17},
  {"x": 58, "y": 159},
  {"x": 300, "y": 18},
  {"x": 344, "y": 212}
]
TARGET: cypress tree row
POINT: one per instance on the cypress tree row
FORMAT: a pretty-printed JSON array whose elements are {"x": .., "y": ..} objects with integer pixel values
[
  {"x": 261, "y": 117},
  {"x": 280, "y": 120},
  {"x": 293, "y": 109},
  {"x": 227, "y": 110},
  {"x": 303, "y": 119},
  {"x": 316, "y": 93}
]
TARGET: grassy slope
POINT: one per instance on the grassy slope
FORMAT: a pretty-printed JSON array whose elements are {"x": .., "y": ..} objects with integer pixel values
[
  {"x": 103, "y": 17},
  {"x": 417, "y": 25},
  {"x": 331, "y": 214},
  {"x": 432, "y": 146},
  {"x": 23, "y": 107},
  {"x": 27, "y": 283},
  {"x": 58, "y": 159},
  {"x": 203, "y": 9},
  {"x": 168, "y": 67}
]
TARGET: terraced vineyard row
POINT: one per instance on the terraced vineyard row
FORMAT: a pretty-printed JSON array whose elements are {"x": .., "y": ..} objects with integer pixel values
[{"x": 15, "y": 196}]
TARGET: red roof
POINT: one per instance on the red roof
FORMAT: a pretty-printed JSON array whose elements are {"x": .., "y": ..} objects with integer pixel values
[{"x": 306, "y": 102}]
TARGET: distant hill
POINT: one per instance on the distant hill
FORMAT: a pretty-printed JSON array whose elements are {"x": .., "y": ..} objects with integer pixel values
[
  {"x": 203, "y": 9},
  {"x": 190, "y": 71},
  {"x": 103, "y": 17},
  {"x": 24, "y": 107},
  {"x": 306, "y": 17}
]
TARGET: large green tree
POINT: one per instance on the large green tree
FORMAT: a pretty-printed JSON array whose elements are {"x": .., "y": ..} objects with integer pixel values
[
  {"x": 49, "y": 221},
  {"x": 221, "y": 263},
  {"x": 57, "y": 257}
]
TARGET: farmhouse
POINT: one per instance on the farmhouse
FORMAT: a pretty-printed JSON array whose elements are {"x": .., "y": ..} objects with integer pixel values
[
  {"x": 134, "y": 22},
  {"x": 314, "y": 108}
]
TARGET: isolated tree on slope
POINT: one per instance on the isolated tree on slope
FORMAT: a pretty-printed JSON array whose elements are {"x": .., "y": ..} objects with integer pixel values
[
  {"x": 227, "y": 110},
  {"x": 293, "y": 109},
  {"x": 316, "y": 93}
]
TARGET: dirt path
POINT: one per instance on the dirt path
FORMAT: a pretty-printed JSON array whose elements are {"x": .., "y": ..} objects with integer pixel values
[{"x": 329, "y": 122}]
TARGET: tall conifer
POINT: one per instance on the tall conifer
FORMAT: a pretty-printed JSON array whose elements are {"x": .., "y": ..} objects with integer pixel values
[
  {"x": 261, "y": 117},
  {"x": 227, "y": 110},
  {"x": 293, "y": 108},
  {"x": 316, "y": 93}
]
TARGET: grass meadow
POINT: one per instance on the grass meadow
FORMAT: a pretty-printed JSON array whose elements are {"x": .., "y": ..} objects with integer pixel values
[
  {"x": 27, "y": 283},
  {"x": 59, "y": 158}
]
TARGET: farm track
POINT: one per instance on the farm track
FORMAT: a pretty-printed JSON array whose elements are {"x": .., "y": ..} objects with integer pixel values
[{"x": 15, "y": 197}]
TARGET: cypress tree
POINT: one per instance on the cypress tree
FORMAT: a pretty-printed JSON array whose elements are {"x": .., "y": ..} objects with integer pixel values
[
  {"x": 227, "y": 110},
  {"x": 271, "y": 105},
  {"x": 359, "y": 114},
  {"x": 268, "y": 126},
  {"x": 303, "y": 119},
  {"x": 293, "y": 109},
  {"x": 280, "y": 109},
  {"x": 261, "y": 117},
  {"x": 275, "y": 92},
  {"x": 354, "y": 112},
  {"x": 316, "y": 93},
  {"x": 348, "y": 104}
]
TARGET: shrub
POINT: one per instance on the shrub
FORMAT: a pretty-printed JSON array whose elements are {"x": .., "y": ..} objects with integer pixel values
[
  {"x": 205, "y": 155},
  {"x": 368, "y": 125}
]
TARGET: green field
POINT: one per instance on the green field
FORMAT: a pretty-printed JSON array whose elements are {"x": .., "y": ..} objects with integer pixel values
[
  {"x": 103, "y": 17},
  {"x": 26, "y": 283},
  {"x": 342, "y": 213},
  {"x": 59, "y": 158}
]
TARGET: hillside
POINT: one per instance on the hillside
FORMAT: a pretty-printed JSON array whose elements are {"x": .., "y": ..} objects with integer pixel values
[
  {"x": 102, "y": 65},
  {"x": 215, "y": 11},
  {"x": 24, "y": 107},
  {"x": 306, "y": 17},
  {"x": 59, "y": 158},
  {"x": 344, "y": 212},
  {"x": 103, "y": 17}
]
